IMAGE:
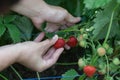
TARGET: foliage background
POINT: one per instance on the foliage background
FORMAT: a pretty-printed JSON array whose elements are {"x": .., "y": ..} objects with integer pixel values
[{"x": 101, "y": 15}]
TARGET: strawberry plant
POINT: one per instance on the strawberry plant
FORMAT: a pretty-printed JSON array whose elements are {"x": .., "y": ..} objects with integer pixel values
[{"x": 95, "y": 40}]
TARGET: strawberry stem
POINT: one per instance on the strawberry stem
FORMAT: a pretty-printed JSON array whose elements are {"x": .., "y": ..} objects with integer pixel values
[
  {"x": 3, "y": 77},
  {"x": 16, "y": 72},
  {"x": 107, "y": 65},
  {"x": 110, "y": 25},
  {"x": 38, "y": 75}
]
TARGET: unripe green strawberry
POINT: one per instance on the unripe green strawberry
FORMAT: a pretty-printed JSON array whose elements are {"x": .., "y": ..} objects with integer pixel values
[
  {"x": 110, "y": 51},
  {"x": 116, "y": 61},
  {"x": 102, "y": 72},
  {"x": 101, "y": 51},
  {"x": 80, "y": 37},
  {"x": 106, "y": 46},
  {"x": 108, "y": 78},
  {"x": 82, "y": 30},
  {"x": 85, "y": 36},
  {"x": 81, "y": 63},
  {"x": 83, "y": 43},
  {"x": 102, "y": 67}
]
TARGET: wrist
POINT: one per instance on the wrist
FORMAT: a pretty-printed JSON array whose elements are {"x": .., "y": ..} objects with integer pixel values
[{"x": 9, "y": 55}]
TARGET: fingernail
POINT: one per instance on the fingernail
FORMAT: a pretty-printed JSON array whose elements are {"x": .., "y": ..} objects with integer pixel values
[
  {"x": 61, "y": 49},
  {"x": 67, "y": 47},
  {"x": 55, "y": 37}
]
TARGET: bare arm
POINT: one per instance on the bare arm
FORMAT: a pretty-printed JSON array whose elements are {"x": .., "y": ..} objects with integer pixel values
[
  {"x": 35, "y": 55},
  {"x": 8, "y": 55},
  {"x": 39, "y": 11}
]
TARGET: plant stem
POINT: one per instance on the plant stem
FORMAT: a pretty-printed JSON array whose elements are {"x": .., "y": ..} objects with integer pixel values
[
  {"x": 38, "y": 75},
  {"x": 110, "y": 25},
  {"x": 107, "y": 65},
  {"x": 16, "y": 72},
  {"x": 3, "y": 77},
  {"x": 115, "y": 74}
]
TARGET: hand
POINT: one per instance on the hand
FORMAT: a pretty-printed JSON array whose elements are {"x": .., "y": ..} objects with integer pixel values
[
  {"x": 56, "y": 17},
  {"x": 37, "y": 55},
  {"x": 38, "y": 11}
]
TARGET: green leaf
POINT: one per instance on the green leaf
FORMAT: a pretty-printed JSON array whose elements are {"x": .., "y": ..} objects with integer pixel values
[
  {"x": 79, "y": 8},
  {"x": 25, "y": 26},
  {"x": 113, "y": 68},
  {"x": 69, "y": 75},
  {"x": 118, "y": 1},
  {"x": 102, "y": 21},
  {"x": 82, "y": 77},
  {"x": 14, "y": 32},
  {"x": 67, "y": 5},
  {"x": 2, "y": 29},
  {"x": 9, "y": 18},
  {"x": 91, "y": 4}
]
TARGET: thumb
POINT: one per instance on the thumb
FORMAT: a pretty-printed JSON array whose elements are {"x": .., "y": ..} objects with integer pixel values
[
  {"x": 37, "y": 22},
  {"x": 71, "y": 19},
  {"x": 47, "y": 44}
]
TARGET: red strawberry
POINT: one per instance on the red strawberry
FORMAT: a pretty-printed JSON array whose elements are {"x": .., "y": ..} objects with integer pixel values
[
  {"x": 89, "y": 70},
  {"x": 59, "y": 44},
  {"x": 72, "y": 42}
]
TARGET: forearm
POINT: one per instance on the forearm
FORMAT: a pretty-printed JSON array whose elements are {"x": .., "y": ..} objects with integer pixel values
[
  {"x": 8, "y": 55},
  {"x": 28, "y": 7}
]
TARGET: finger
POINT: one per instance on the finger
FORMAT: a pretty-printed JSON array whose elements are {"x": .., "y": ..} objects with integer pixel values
[
  {"x": 49, "y": 53},
  {"x": 39, "y": 37},
  {"x": 37, "y": 22},
  {"x": 63, "y": 27},
  {"x": 67, "y": 47},
  {"x": 69, "y": 24},
  {"x": 51, "y": 27},
  {"x": 70, "y": 19},
  {"x": 47, "y": 44},
  {"x": 53, "y": 59}
]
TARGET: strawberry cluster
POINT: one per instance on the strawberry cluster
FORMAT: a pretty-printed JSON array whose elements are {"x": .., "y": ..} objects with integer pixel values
[{"x": 72, "y": 42}]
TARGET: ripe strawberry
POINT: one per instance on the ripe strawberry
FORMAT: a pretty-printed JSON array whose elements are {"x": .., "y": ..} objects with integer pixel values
[
  {"x": 101, "y": 51},
  {"x": 89, "y": 70},
  {"x": 59, "y": 44},
  {"x": 72, "y": 42}
]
